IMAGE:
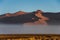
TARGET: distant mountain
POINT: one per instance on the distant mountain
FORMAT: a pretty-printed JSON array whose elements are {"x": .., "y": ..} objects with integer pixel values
[
  {"x": 24, "y": 17},
  {"x": 12, "y": 14},
  {"x": 54, "y": 18}
]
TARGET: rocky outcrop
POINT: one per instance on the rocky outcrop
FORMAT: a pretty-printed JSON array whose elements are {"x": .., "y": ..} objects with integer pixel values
[
  {"x": 19, "y": 13},
  {"x": 8, "y": 14},
  {"x": 12, "y": 14}
]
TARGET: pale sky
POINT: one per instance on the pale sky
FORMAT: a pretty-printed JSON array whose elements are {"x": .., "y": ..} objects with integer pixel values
[{"x": 12, "y": 6}]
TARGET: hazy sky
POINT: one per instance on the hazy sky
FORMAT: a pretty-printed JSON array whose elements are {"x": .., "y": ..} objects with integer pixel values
[{"x": 29, "y": 5}]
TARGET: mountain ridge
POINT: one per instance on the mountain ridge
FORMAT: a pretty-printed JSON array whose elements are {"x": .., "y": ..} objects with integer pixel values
[{"x": 54, "y": 18}]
